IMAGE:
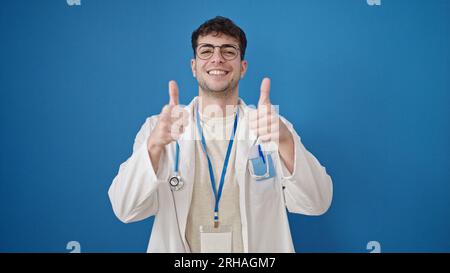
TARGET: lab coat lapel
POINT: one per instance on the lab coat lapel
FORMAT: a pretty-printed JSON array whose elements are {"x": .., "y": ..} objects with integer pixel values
[
  {"x": 187, "y": 171},
  {"x": 245, "y": 140}
]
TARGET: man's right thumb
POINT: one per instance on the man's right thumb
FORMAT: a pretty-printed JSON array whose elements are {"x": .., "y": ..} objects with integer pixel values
[{"x": 173, "y": 93}]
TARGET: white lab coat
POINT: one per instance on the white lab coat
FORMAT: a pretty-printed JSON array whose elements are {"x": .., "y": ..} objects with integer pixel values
[{"x": 137, "y": 192}]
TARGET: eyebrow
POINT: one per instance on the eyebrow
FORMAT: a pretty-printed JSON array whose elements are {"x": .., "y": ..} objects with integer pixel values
[{"x": 202, "y": 44}]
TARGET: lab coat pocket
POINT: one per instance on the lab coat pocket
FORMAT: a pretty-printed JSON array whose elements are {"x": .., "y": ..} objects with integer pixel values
[
  {"x": 261, "y": 165},
  {"x": 262, "y": 191}
]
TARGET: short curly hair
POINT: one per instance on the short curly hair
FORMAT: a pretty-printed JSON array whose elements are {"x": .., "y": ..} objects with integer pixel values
[{"x": 220, "y": 25}]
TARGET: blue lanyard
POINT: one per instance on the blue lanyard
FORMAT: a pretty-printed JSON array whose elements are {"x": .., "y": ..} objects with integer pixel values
[{"x": 217, "y": 194}]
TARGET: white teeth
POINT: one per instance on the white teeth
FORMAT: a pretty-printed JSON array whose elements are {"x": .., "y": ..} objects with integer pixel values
[{"x": 217, "y": 72}]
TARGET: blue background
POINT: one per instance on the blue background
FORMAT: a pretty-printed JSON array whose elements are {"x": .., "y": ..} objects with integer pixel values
[{"x": 367, "y": 88}]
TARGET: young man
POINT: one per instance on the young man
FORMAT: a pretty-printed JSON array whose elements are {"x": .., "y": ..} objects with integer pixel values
[{"x": 217, "y": 174}]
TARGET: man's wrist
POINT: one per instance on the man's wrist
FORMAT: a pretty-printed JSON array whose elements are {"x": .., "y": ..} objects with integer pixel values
[
  {"x": 285, "y": 134},
  {"x": 154, "y": 150},
  {"x": 152, "y": 147}
]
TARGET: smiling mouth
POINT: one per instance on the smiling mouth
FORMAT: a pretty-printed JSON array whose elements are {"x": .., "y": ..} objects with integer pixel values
[{"x": 217, "y": 72}]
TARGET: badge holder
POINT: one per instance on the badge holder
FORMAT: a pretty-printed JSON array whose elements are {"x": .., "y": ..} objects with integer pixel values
[{"x": 216, "y": 240}]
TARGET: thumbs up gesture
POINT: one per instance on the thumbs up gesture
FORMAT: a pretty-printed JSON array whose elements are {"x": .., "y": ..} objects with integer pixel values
[
  {"x": 172, "y": 122},
  {"x": 265, "y": 122}
]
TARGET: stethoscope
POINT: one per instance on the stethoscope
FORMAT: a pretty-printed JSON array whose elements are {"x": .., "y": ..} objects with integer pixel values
[{"x": 175, "y": 181}]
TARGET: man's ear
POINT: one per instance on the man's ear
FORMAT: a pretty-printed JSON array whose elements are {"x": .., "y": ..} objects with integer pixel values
[
  {"x": 193, "y": 68},
  {"x": 244, "y": 66}
]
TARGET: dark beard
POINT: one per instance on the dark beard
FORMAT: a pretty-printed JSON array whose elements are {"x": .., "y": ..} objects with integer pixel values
[{"x": 221, "y": 93}]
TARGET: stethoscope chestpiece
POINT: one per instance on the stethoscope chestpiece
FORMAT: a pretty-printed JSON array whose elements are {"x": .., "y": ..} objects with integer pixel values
[{"x": 175, "y": 182}]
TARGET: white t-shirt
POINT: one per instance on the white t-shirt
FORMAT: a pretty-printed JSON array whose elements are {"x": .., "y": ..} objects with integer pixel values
[{"x": 217, "y": 132}]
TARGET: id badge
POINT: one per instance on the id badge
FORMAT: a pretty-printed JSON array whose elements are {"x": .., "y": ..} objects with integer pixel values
[
  {"x": 261, "y": 164},
  {"x": 215, "y": 240}
]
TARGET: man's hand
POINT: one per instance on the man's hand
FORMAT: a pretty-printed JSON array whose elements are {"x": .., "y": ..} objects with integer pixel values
[
  {"x": 172, "y": 121},
  {"x": 269, "y": 127}
]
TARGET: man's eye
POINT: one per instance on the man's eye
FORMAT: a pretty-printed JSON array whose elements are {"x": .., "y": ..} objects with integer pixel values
[
  {"x": 229, "y": 52},
  {"x": 205, "y": 51}
]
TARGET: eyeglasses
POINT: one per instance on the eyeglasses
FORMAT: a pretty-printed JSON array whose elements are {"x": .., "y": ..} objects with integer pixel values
[{"x": 227, "y": 51}]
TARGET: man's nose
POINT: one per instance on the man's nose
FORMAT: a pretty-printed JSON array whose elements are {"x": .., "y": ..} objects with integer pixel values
[{"x": 217, "y": 56}]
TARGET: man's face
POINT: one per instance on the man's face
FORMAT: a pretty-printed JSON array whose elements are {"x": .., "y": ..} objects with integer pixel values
[{"x": 218, "y": 75}]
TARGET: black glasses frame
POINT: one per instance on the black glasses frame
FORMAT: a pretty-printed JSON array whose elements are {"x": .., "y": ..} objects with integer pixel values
[{"x": 221, "y": 50}]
